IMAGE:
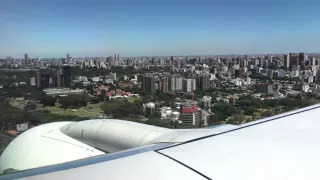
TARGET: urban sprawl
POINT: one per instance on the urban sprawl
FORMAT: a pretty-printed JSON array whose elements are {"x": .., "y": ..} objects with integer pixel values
[{"x": 173, "y": 91}]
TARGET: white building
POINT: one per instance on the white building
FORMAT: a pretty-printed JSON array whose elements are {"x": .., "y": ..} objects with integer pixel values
[
  {"x": 248, "y": 80},
  {"x": 305, "y": 87},
  {"x": 193, "y": 85},
  {"x": 33, "y": 81},
  {"x": 172, "y": 83},
  {"x": 310, "y": 79},
  {"x": 178, "y": 83},
  {"x": 281, "y": 73},
  {"x": 238, "y": 82},
  {"x": 82, "y": 78},
  {"x": 205, "y": 102},
  {"x": 113, "y": 76},
  {"x": 212, "y": 76},
  {"x": 188, "y": 85}
]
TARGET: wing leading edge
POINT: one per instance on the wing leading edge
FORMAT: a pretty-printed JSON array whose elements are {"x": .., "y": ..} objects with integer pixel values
[{"x": 280, "y": 147}]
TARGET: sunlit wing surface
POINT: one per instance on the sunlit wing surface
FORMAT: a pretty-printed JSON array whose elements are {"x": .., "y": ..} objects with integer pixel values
[{"x": 281, "y": 147}]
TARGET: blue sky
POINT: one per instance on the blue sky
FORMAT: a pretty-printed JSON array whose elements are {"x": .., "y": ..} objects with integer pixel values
[{"x": 157, "y": 27}]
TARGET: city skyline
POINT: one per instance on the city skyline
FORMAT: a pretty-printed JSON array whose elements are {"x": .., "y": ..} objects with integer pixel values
[{"x": 143, "y": 28}]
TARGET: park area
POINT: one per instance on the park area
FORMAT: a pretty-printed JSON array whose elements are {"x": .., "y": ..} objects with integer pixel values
[{"x": 56, "y": 112}]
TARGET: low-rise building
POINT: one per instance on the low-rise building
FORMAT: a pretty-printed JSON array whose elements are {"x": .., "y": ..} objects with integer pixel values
[
  {"x": 62, "y": 92},
  {"x": 189, "y": 115}
]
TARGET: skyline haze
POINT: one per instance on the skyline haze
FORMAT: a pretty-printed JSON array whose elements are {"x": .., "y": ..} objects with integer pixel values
[{"x": 144, "y": 28}]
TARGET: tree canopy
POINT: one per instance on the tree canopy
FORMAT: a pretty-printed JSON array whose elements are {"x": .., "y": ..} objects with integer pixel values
[
  {"x": 74, "y": 101},
  {"x": 122, "y": 108},
  {"x": 47, "y": 100}
]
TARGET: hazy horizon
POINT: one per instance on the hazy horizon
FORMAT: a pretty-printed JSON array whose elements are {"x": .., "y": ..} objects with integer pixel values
[{"x": 160, "y": 28}]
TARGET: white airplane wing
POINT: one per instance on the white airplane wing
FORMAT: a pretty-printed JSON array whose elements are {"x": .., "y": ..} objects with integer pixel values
[{"x": 282, "y": 147}]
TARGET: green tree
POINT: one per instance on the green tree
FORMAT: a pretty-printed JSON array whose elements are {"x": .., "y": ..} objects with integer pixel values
[
  {"x": 95, "y": 100},
  {"x": 237, "y": 119},
  {"x": 122, "y": 108},
  {"x": 224, "y": 108},
  {"x": 90, "y": 88},
  {"x": 74, "y": 101},
  {"x": 47, "y": 100},
  {"x": 267, "y": 113},
  {"x": 250, "y": 110},
  {"x": 102, "y": 95}
]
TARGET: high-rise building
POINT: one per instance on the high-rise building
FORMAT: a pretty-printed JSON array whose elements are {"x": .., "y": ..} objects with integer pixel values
[
  {"x": 172, "y": 83},
  {"x": 148, "y": 84},
  {"x": 243, "y": 63},
  {"x": 68, "y": 59},
  {"x": 66, "y": 70},
  {"x": 38, "y": 79},
  {"x": 178, "y": 83},
  {"x": 188, "y": 85},
  {"x": 44, "y": 78},
  {"x": 313, "y": 61},
  {"x": 59, "y": 78},
  {"x": 26, "y": 59},
  {"x": 286, "y": 61},
  {"x": 171, "y": 60},
  {"x": 164, "y": 84},
  {"x": 193, "y": 85},
  {"x": 204, "y": 82},
  {"x": 302, "y": 59},
  {"x": 161, "y": 62},
  {"x": 179, "y": 63},
  {"x": 294, "y": 59}
]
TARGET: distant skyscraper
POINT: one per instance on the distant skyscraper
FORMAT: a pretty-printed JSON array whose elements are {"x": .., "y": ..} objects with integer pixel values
[
  {"x": 59, "y": 79},
  {"x": 243, "y": 63},
  {"x": 66, "y": 69},
  {"x": 153, "y": 61},
  {"x": 26, "y": 59},
  {"x": 313, "y": 61},
  {"x": 118, "y": 57},
  {"x": 68, "y": 59},
  {"x": 286, "y": 61},
  {"x": 38, "y": 79},
  {"x": 179, "y": 63},
  {"x": 171, "y": 60},
  {"x": 45, "y": 75},
  {"x": 294, "y": 60},
  {"x": 302, "y": 58}
]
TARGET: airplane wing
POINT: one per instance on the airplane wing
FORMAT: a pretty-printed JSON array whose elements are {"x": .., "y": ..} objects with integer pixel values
[{"x": 285, "y": 146}]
